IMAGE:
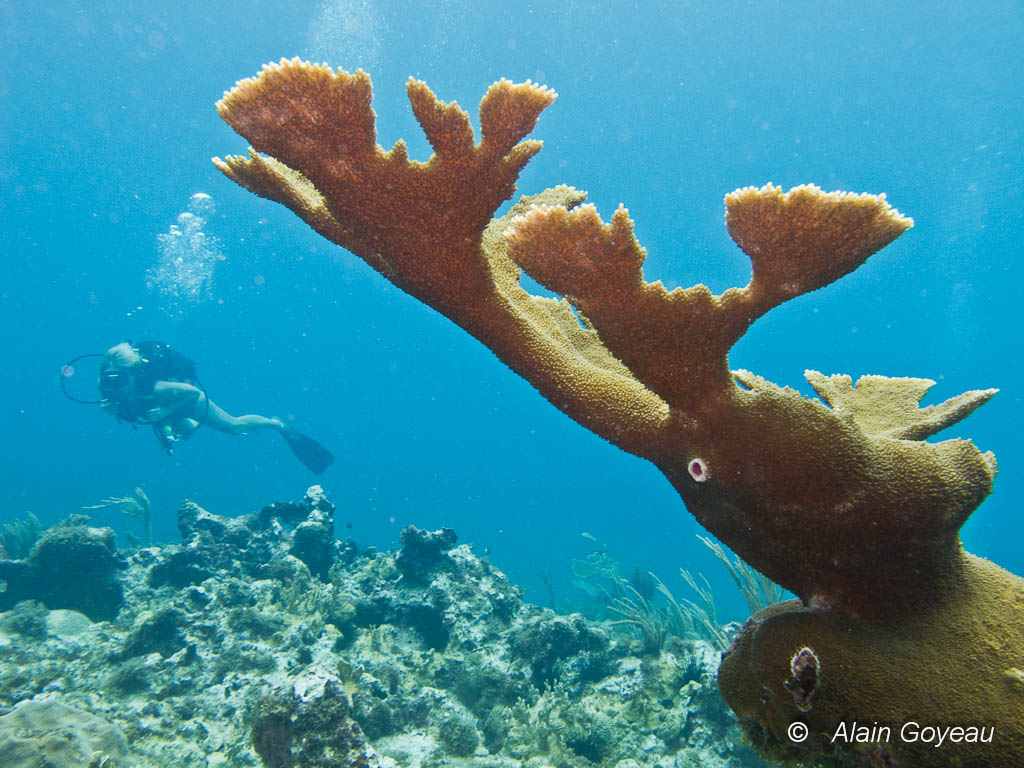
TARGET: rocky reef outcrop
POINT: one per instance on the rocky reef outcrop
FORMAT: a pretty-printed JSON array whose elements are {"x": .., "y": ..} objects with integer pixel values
[
  {"x": 44, "y": 732},
  {"x": 74, "y": 566},
  {"x": 233, "y": 649}
]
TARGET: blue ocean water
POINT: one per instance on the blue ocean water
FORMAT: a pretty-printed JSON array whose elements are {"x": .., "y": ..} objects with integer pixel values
[{"x": 108, "y": 124}]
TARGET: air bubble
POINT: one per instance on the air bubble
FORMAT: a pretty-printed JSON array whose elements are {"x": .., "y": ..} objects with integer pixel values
[{"x": 187, "y": 258}]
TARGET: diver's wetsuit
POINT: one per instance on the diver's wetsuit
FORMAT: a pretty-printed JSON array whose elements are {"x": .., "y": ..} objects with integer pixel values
[{"x": 159, "y": 363}]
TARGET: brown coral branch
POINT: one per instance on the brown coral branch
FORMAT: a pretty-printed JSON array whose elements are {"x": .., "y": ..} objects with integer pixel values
[
  {"x": 670, "y": 341},
  {"x": 676, "y": 342},
  {"x": 802, "y": 240},
  {"x": 427, "y": 227},
  {"x": 888, "y": 407},
  {"x": 318, "y": 128}
]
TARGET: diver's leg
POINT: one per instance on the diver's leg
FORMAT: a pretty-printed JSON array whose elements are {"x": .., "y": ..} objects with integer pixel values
[{"x": 211, "y": 415}]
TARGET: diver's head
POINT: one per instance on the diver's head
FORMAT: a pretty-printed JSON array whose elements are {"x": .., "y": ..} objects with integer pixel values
[{"x": 117, "y": 371}]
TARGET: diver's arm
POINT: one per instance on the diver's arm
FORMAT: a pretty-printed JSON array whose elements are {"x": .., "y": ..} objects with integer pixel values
[{"x": 174, "y": 398}]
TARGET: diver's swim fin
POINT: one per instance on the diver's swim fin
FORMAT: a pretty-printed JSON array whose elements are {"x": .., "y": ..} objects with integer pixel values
[{"x": 308, "y": 451}]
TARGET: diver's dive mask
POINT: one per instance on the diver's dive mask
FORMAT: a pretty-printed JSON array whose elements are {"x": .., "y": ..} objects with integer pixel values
[{"x": 114, "y": 381}]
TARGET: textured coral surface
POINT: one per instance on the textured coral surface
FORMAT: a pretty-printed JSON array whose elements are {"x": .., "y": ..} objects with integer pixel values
[
  {"x": 842, "y": 501},
  {"x": 944, "y": 665}
]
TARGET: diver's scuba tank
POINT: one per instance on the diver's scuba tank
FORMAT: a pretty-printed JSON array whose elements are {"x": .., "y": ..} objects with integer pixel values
[{"x": 167, "y": 437}]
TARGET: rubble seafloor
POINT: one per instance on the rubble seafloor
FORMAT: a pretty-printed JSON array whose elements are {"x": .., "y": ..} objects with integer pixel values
[{"x": 262, "y": 640}]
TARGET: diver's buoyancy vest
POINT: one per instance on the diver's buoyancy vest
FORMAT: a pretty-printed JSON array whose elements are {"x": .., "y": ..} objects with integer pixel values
[{"x": 159, "y": 363}]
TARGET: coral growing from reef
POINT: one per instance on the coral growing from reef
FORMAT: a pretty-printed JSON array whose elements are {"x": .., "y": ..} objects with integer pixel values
[
  {"x": 47, "y": 733},
  {"x": 842, "y": 501},
  {"x": 71, "y": 566},
  {"x": 423, "y": 552},
  {"x": 27, "y": 618},
  {"x": 19, "y": 536},
  {"x": 313, "y": 535},
  {"x": 136, "y": 506},
  {"x": 313, "y": 729}
]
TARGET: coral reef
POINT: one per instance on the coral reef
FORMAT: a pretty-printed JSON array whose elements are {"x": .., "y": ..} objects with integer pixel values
[
  {"x": 842, "y": 502},
  {"x": 44, "y": 732},
  {"x": 239, "y": 655},
  {"x": 423, "y": 552},
  {"x": 312, "y": 729},
  {"x": 307, "y": 527},
  {"x": 312, "y": 539},
  {"x": 27, "y": 618},
  {"x": 71, "y": 566}
]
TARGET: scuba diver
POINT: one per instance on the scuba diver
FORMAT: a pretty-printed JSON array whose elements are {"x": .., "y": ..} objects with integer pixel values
[{"x": 147, "y": 382}]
